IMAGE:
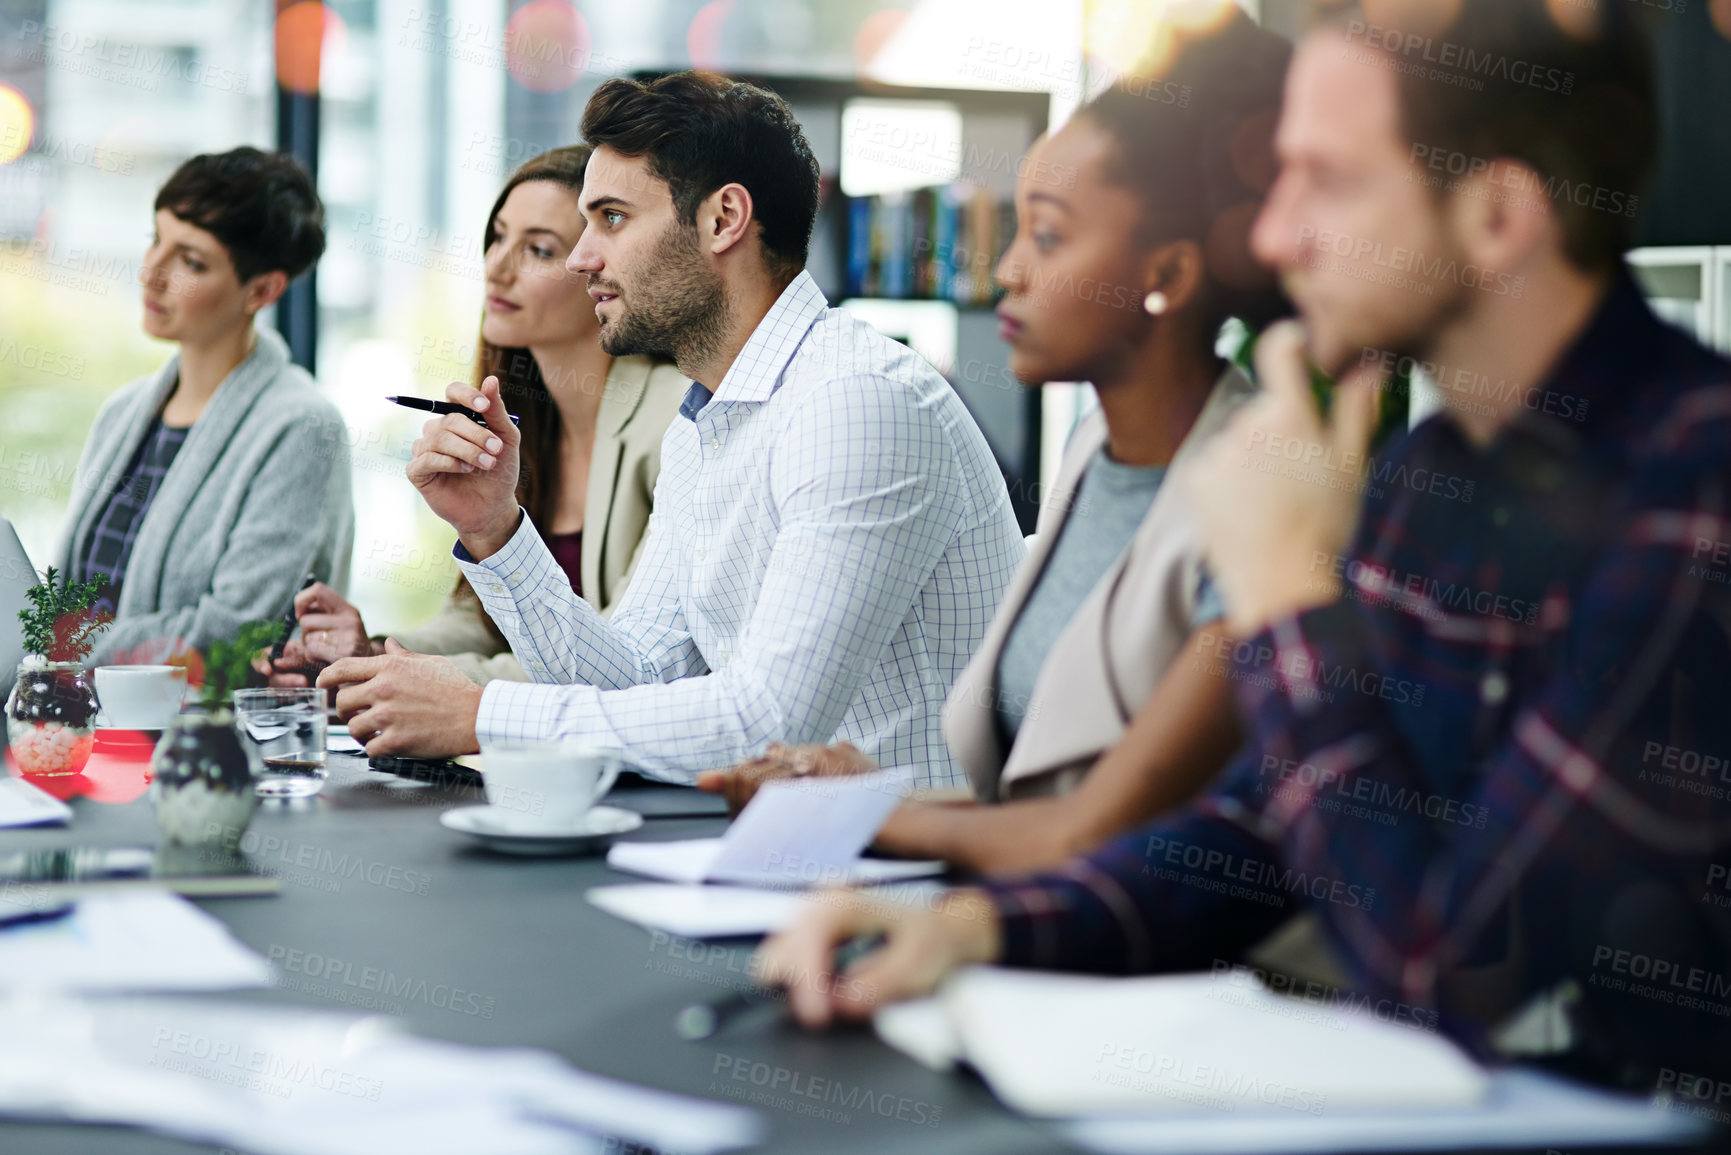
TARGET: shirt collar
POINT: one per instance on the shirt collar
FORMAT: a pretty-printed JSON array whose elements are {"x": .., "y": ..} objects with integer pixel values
[
  {"x": 696, "y": 398},
  {"x": 1601, "y": 373},
  {"x": 756, "y": 373}
]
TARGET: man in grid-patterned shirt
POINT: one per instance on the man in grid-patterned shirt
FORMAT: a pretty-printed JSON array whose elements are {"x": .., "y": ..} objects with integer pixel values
[
  {"x": 1488, "y": 783},
  {"x": 831, "y": 534}
]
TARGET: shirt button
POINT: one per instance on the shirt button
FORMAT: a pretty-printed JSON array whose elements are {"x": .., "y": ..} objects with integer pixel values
[
  {"x": 496, "y": 588},
  {"x": 701, "y": 554},
  {"x": 715, "y": 443},
  {"x": 517, "y": 575},
  {"x": 726, "y": 656},
  {"x": 1494, "y": 687}
]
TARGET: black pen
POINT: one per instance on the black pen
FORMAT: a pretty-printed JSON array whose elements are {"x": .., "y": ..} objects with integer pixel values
[
  {"x": 700, "y": 1021},
  {"x": 443, "y": 407},
  {"x": 35, "y": 915},
  {"x": 290, "y": 619}
]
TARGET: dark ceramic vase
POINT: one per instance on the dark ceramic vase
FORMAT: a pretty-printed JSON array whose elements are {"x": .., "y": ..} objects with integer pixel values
[{"x": 203, "y": 780}]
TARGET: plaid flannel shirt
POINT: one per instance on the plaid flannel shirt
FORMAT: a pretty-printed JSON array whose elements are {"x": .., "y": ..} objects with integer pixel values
[{"x": 1513, "y": 728}]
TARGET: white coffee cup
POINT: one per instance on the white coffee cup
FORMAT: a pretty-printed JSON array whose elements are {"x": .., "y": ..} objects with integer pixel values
[
  {"x": 140, "y": 697},
  {"x": 547, "y": 785}
]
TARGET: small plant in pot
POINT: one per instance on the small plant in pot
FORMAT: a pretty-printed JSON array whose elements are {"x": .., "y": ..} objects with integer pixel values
[
  {"x": 51, "y": 711},
  {"x": 202, "y": 773}
]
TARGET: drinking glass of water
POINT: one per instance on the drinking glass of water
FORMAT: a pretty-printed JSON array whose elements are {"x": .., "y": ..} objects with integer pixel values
[{"x": 288, "y": 729}]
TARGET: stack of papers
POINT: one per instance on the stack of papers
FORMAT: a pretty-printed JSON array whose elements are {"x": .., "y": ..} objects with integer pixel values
[
  {"x": 795, "y": 834},
  {"x": 293, "y": 1082},
  {"x": 1218, "y": 1065},
  {"x": 137, "y": 940},
  {"x": 22, "y": 804}
]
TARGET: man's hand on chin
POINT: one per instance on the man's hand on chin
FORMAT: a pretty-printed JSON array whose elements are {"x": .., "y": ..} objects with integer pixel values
[
  {"x": 405, "y": 704},
  {"x": 1277, "y": 492}
]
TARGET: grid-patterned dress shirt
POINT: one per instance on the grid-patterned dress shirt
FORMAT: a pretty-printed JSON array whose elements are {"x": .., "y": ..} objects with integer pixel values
[
  {"x": 831, "y": 536},
  {"x": 1504, "y": 755}
]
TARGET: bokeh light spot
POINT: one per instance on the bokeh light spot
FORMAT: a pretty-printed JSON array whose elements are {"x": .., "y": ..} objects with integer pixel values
[
  {"x": 1719, "y": 11},
  {"x": 301, "y": 32},
  {"x": 875, "y": 31},
  {"x": 703, "y": 38},
  {"x": 17, "y": 124},
  {"x": 546, "y": 45}
]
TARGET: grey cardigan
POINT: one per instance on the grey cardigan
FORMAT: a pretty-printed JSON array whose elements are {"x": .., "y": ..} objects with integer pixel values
[{"x": 258, "y": 496}]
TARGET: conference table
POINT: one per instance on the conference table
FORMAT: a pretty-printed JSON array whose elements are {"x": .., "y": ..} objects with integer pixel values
[
  {"x": 498, "y": 950},
  {"x": 514, "y": 956}
]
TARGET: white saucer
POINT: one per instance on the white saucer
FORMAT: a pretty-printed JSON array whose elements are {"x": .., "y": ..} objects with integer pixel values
[{"x": 502, "y": 830}]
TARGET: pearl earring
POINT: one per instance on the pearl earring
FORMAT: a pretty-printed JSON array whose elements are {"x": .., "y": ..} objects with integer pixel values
[{"x": 1154, "y": 303}]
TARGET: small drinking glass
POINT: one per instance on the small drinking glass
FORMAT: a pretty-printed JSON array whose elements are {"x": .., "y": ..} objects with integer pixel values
[{"x": 288, "y": 729}]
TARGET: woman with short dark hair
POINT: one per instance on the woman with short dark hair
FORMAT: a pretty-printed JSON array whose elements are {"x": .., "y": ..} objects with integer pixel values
[{"x": 208, "y": 490}]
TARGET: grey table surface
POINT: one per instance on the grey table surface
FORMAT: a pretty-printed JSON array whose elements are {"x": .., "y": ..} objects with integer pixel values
[{"x": 503, "y": 951}]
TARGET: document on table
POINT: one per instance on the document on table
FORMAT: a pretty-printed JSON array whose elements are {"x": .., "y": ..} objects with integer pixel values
[
  {"x": 1058, "y": 1045},
  {"x": 795, "y": 833},
  {"x": 1522, "y": 1109},
  {"x": 700, "y": 911},
  {"x": 294, "y": 1081},
  {"x": 136, "y": 940},
  {"x": 1215, "y": 1064},
  {"x": 22, "y": 804}
]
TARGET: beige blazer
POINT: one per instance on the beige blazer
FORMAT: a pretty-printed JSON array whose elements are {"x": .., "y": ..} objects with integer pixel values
[
  {"x": 1112, "y": 654},
  {"x": 641, "y": 400}
]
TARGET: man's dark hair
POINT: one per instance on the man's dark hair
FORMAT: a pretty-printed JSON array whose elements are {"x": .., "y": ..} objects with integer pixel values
[
  {"x": 1504, "y": 79},
  {"x": 261, "y": 205},
  {"x": 1194, "y": 137},
  {"x": 700, "y": 131}
]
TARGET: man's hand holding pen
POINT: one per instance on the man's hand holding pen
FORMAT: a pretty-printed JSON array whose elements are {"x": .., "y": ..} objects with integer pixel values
[{"x": 467, "y": 473}]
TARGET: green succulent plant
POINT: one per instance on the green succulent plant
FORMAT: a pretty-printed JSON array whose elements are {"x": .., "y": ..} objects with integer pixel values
[
  {"x": 60, "y": 623},
  {"x": 228, "y": 664}
]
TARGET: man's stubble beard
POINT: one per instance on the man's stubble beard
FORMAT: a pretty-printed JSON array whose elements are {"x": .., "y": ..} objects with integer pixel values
[
  {"x": 683, "y": 317},
  {"x": 1414, "y": 334}
]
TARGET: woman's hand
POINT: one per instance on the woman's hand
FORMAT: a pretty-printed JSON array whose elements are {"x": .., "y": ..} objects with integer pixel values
[
  {"x": 921, "y": 946},
  {"x": 739, "y": 785},
  {"x": 331, "y": 629}
]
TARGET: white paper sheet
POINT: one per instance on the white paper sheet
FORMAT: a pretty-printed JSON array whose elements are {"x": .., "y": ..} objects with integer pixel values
[
  {"x": 703, "y": 911},
  {"x": 692, "y": 860},
  {"x": 920, "y": 1029},
  {"x": 1066, "y": 1045},
  {"x": 22, "y": 804},
  {"x": 1523, "y": 1109},
  {"x": 134, "y": 940},
  {"x": 795, "y": 833},
  {"x": 289, "y": 1081},
  {"x": 691, "y": 911}
]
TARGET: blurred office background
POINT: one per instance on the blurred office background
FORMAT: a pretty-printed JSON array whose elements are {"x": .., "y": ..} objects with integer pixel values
[{"x": 413, "y": 112}]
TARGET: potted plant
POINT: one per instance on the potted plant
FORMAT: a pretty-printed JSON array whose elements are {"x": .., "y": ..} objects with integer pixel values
[
  {"x": 51, "y": 711},
  {"x": 202, "y": 773}
]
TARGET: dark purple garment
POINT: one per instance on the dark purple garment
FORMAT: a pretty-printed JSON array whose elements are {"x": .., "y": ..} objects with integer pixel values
[
  {"x": 108, "y": 549},
  {"x": 568, "y": 552}
]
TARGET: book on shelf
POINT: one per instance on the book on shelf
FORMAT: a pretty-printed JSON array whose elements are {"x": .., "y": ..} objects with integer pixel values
[{"x": 937, "y": 243}]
